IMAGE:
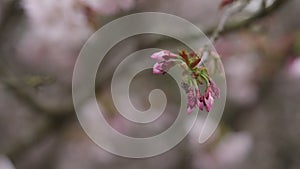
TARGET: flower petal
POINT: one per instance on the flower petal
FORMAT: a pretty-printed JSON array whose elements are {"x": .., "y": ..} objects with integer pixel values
[
  {"x": 157, "y": 68},
  {"x": 163, "y": 55},
  {"x": 200, "y": 104},
  {"x": 209, "y": 101}
]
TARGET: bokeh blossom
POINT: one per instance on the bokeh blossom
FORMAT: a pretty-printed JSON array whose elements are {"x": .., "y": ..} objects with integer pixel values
[{"x": 58, "y": 29}]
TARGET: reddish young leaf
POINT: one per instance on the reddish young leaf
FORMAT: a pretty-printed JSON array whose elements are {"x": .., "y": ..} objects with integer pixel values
[
  {"x": 195, "y": 63},
  {"x": 184, "y": 55},
  {"x": 193, "y": 54},
  {"x": 225, "y": 3}
]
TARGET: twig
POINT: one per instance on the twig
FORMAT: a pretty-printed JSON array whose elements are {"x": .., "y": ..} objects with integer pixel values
[
  {"x": 246, "y": 22},
  {"x": 230, "y": 27},
  {"x": 227, "y": 14}
]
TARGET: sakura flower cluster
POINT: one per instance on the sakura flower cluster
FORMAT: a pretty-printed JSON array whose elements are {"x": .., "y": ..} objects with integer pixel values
[{"x": 194, "y": 75}]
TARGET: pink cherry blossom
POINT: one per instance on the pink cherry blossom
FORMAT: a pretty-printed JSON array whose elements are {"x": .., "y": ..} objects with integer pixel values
[
  {"x": 200, "y": 100},
  {"x": 294, "y": 67},
  {"x": 157, "y": 68},
  {"x": 162, "y": 67},
  {"x": 109, "y": 7},
  {"x": 206, "y": 100},
  {"x": 209, "y": 101},
  {"x": 163, "y": 55}
]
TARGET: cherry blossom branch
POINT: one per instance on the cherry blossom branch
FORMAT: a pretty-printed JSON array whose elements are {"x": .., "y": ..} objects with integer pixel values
[
  {"x": 222, "y": 28},
  {"x": 228, "y": 28}
]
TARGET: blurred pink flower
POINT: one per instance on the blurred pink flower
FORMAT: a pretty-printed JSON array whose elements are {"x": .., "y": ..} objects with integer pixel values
[
  {"x": 242, "y": 76},
  {"x": 109, "y": 7},
  {"x": 294, "y": 67},
  {"x": 233, "y": 149},
  {"x": 5, "y": 163}
]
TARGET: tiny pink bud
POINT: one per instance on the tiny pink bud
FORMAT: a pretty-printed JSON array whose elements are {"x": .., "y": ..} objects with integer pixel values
[
  {"x": 157, "y": 69},
  {"x": 200, "y": 104},
  {"x": 209, "y": 101},
  {"x": 162, "y": 67},
  {"x": 200, "y": 100},
  {"x": 163, "y": 55}
]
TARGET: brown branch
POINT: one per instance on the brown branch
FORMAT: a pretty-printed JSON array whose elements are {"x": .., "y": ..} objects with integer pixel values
[
  {"x": 231, "y": 27},
  {"x": 227, "y": 14},
  {"x": 259, "y": 15},
  {"x": 24, "y": 96}
]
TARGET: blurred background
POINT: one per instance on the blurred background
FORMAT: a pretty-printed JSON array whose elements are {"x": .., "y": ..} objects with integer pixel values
[{"x": 41, "y": 39}]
